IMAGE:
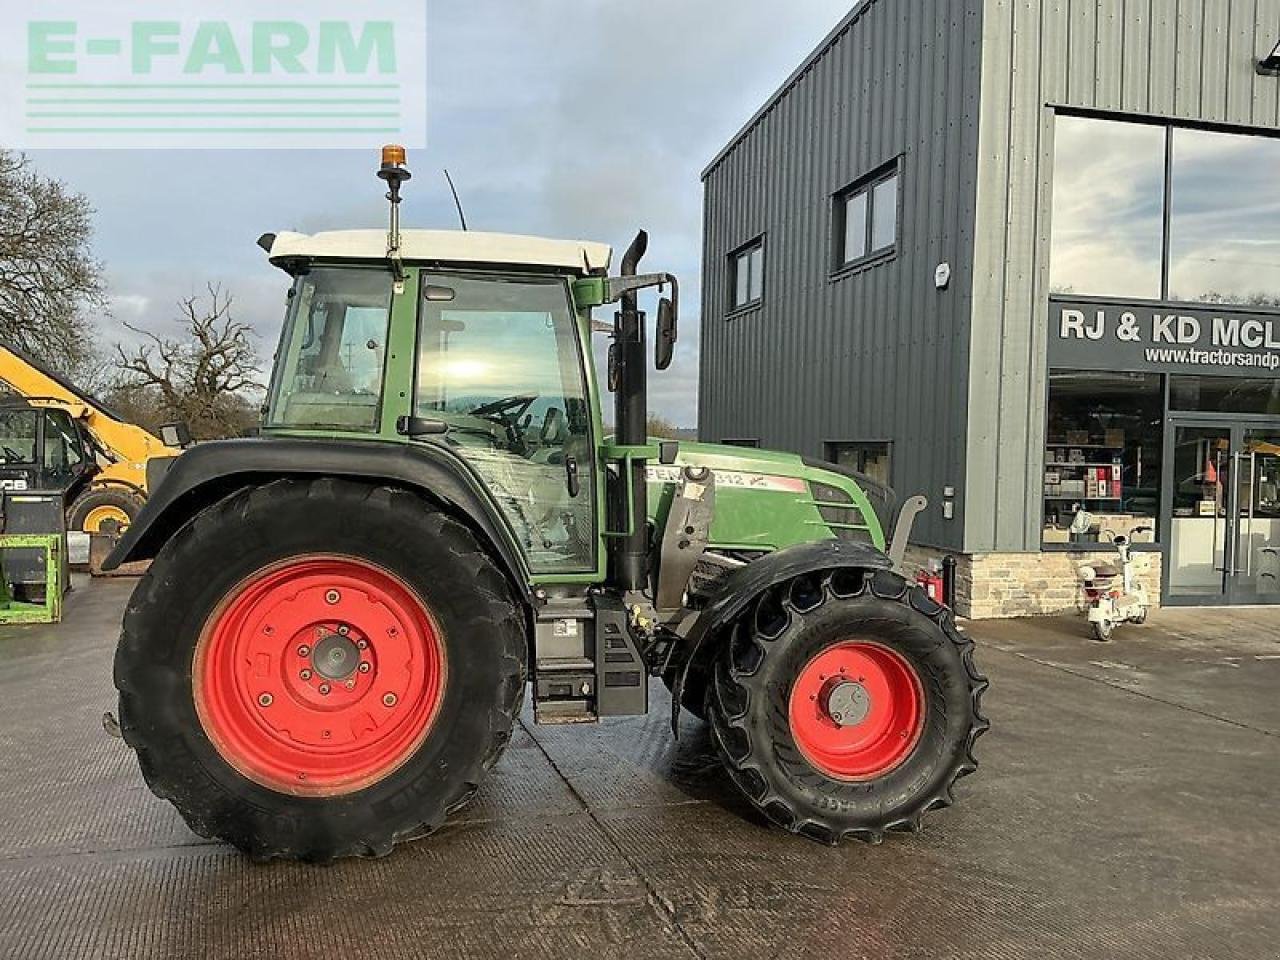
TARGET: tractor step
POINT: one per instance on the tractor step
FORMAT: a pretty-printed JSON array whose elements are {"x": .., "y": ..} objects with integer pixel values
[{"x": 587, "y": 663}]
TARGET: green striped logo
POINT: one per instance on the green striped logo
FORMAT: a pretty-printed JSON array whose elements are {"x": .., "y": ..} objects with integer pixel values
[{"x": 236, "y": 74}]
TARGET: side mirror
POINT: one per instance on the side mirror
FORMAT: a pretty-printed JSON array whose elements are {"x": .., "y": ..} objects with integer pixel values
[
  {"x": 664, "y": 346},
  {"x": 176, "y": 435}
]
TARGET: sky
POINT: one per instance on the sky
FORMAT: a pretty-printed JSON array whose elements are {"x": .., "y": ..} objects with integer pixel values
[{"x": 583, "y": 119}]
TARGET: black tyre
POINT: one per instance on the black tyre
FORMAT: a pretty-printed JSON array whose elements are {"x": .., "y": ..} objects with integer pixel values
[
  {"x": 847, "y": 705},
  {"x": 320, "y": 669},
  {"x": 1102, "y": 630},
  {"x": 100, "y": 505}
]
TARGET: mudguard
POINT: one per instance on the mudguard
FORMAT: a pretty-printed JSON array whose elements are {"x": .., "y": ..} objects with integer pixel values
[
  {"x": 210, "y": 471},
  {"x": 746, "y": 583}
]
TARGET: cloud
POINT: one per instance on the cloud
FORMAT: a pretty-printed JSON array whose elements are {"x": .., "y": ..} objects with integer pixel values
[{"x": 582, "y": 118}]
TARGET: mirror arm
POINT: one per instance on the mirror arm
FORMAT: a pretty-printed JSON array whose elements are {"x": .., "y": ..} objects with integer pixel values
[{"x": 615, "y": 287}]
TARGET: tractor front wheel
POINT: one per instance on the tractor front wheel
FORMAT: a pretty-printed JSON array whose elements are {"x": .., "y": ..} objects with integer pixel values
[
  {"x": 846, "y": 704},
  {"x": 319, "y": 669}
]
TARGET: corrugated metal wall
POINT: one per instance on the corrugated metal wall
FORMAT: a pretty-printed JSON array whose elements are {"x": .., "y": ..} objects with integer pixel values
[
  {"x": 1191, "y": 59},
  {"x": 878, "y": 355}
]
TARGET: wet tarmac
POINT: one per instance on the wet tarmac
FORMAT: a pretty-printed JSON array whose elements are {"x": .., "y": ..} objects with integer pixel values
[{"x": 1126, "y": 806}]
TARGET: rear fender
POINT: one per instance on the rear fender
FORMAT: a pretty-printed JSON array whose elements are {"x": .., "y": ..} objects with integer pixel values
[
  {"x": 208, "y": 472},
  {"x": 746, "y": 583}
]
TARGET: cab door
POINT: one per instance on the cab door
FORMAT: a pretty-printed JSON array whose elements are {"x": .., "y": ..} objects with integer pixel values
[
  {"x": 500, "y": 362},
  {"x": 65, "y": 460}
]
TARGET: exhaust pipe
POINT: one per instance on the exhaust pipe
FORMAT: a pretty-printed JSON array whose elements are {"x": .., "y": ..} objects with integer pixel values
[{"x": 631, "y": 415}]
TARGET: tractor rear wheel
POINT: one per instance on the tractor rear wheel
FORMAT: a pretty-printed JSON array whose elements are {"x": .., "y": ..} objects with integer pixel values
[
  {"x": 319, "y": 669},
  {"x": 846, "y": 704}
]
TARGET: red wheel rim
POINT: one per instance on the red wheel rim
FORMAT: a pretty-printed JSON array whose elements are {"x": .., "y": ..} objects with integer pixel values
[
  {"x": 856, "y": 710},
  {"x": 319, "y": 675}
]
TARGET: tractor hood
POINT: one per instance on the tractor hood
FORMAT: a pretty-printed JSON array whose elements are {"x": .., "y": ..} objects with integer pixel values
[{"x": 770, "y": 499}]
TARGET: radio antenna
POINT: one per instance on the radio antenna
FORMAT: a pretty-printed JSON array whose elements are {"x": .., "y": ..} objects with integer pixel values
[{"x": 462, "y": 217}]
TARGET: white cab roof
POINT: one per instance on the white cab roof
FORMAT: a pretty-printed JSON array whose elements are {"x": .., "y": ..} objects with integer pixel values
[{"x": 450, "y": 246}]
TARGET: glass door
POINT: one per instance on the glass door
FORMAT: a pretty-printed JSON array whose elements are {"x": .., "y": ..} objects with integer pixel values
[
  {"x": 1198, "y": 513},
  {"x": 1223, "y": 514},
  {"x": 1255, "y": 570}
]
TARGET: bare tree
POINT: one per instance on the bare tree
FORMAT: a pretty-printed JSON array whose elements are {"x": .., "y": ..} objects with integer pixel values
[
  {"x": 49, "y": 279},
  {"x": 204, "y": 379},
  {"x": 659, "y": 426}
]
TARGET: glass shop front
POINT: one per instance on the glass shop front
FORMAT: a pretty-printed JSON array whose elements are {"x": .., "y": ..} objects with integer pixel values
[{"x": 1163, "y": 406}]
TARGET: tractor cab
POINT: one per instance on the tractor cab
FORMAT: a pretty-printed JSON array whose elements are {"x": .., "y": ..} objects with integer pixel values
[
  {"x": 486, "y": 357},
  {"x": 43, "y": 448}
]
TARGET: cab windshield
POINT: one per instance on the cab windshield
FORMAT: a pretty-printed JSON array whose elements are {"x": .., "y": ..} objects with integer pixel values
[{"x": 333, "y": 350}]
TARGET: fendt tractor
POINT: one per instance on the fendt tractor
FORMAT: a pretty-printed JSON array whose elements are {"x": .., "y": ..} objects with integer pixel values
[{"x": 342, "y": 613}]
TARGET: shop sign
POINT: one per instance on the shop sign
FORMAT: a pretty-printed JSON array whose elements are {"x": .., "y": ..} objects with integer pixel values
[{"x": 1162, "y": 338}]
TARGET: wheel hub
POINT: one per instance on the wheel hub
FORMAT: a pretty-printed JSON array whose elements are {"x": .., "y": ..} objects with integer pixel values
[
  {"x": 847, "y": 703},
  {"x": 319, "y": 675},
  {"x": 336, "y": 657},
  {"x": 856, "y": 710}
]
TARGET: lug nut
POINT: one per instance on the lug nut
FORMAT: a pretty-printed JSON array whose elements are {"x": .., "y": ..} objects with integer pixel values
[
  {"x": 332, "y": 596},
  {"x": 364, "y": 667},
  {"x": 305, "y": 674},
  {"x": 343, "y": 629},
  {"x": 389, "y": 700},
  {"x": 362, "y": 644},
  {"x": 324, "y": 689},
  {"x": 326, "y": 734},
  {"x": 304, "y": 650},
  {"x": 265, "y": 700}
]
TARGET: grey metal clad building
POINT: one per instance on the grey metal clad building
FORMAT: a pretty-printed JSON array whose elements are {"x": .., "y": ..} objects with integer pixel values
[{"x": 1022, "y": 256}]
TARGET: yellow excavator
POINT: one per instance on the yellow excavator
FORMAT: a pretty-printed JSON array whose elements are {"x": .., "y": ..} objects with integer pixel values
[{"x": 74, "y": 437}]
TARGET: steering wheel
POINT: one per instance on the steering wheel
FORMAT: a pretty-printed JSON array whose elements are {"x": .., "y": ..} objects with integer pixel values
[
  {"x": 512, "y": 407},
  {"x": 507, "y": 412}
]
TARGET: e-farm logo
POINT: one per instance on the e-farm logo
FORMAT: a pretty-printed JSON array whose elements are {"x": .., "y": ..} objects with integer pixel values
[{"x": 233, "y": 73}]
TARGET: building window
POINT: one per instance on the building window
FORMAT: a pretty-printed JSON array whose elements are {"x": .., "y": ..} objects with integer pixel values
[
  {"x": 740, "y": 442},
  {"x": 1108, "y": 198},
  {"x": 869, "y": 457},
  {"x": 866, "y": 218},
  {"x": 746, "y": 275},
  {"x": 1224, "y": 219},
  {"x": 1225, "y": 394},
  {"x": 1205, "y": 233},
  {"x": 1102, "y": 456}
]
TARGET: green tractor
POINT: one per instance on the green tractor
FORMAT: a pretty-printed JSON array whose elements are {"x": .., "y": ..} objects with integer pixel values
[{"x": 343, "y": 613}]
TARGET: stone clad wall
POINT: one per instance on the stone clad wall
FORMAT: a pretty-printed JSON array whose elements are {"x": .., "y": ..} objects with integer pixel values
[{"x": 995, "y": 585}]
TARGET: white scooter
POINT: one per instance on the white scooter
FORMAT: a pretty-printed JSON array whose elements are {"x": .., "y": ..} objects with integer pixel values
[{"x": 1111, "y": 592}]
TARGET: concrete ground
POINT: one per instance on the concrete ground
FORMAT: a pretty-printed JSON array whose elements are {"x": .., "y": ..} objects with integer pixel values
[{"x": 1125, "y": 807}]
